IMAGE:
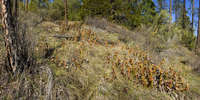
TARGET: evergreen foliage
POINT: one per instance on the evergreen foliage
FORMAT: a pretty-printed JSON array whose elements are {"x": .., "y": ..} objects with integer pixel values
[
  {"x": 131, "y": 13},
  {"x": 99, "y": 49}
]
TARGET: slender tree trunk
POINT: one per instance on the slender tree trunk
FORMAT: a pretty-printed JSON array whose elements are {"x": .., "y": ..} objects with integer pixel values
[
  {"x": 26, "y": 5},
  {"x": 184, "y": 13},
  {"x": 66, "y": 14},
  {"x": 170, "y": 11},
  {"x": 176, "y": 9},
  {"x": 160, "y": 2},
  {"x": 192, "y": 14},
  {"x": 198, "y": 33},
  {"x": 39, "y": 3},
  {"x": 15, "y": 9}
]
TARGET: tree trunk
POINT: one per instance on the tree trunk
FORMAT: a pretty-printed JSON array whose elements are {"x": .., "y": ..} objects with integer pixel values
[
  {"x": 14, "y": 61},
  {"x": 26, "y": 6},
  {"x": 176, "y": 9},
  {"x": 184, "y": 13},
  {"x": 15, "y": 9},
  {"x": 170, "y": 11},
  {"x": 160, "y": 2},
  {"x": 66, "y": 14},
  {"x": 192, "y": 14},
  {"x": 198, "y": 33}
]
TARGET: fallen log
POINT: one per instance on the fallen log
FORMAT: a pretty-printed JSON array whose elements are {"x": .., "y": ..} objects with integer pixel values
[{"x": 67, "y": 37}]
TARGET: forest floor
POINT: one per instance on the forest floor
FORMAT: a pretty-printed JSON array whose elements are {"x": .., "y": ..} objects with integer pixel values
[{"x": 96, "y": 61}]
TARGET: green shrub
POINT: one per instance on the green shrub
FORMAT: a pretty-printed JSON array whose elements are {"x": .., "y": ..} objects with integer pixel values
[
  {"x": 95, "y": 8},
  {"x": 164, "y": 31}
]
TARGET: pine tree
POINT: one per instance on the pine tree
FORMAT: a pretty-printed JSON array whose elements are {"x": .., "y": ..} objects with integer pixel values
[
  {"x": 15, "y": 9},
  {"x": 192, "y": 14},
  {"x": 183, "y": 20},
  {"x": 198, "y": 32},
  {"x": 10, "y": 36},
  {"x": 184, "y": 14},
  {"x": 163, "y": 4},
  {"x": 27, "y": 1},
  {"x": 13, "y": 4},
  {"x": 177, "y": 5},
  {"x": 17, "y": 54},
  {"x": 96, "y": 8},
  {"x": 160, "y": 2},
  {"x": 170, "y": 10}
]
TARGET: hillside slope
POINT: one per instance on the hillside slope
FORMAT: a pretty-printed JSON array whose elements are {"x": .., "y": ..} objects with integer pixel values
[{"x": 98, "y": 60}]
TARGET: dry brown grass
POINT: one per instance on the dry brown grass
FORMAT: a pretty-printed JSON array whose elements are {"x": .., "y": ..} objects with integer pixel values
[{"x": 99, "y": 66}]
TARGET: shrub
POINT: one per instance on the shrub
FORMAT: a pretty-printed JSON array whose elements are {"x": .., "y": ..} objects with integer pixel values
[
  {"x": 165, "y": 31},
  {"x": 93, "y": 8},
  {"x": 188, "y": 39},
  {"x": 137, "y": 67},
  {"x": 56, "y": 10}
]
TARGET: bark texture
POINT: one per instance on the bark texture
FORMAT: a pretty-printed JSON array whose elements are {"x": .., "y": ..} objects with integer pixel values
[
  {"x": 15, "y": 55},
  {"x": 27, "y": 5},
  {"x": 192, "y": 14}
]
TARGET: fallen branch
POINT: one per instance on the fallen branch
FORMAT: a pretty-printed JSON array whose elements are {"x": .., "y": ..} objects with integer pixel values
[
  {"x": 67, "y": 37},
  {"x": 49, "y": 85}
]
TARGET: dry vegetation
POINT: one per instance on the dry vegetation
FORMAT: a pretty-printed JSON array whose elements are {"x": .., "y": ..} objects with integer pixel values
[{"x": 101, "y": 63}]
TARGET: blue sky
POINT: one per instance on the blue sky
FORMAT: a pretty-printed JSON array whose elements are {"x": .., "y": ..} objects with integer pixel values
[
  {"x": 188, "y": 6},
  {"x": 189, "y": 10}
]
